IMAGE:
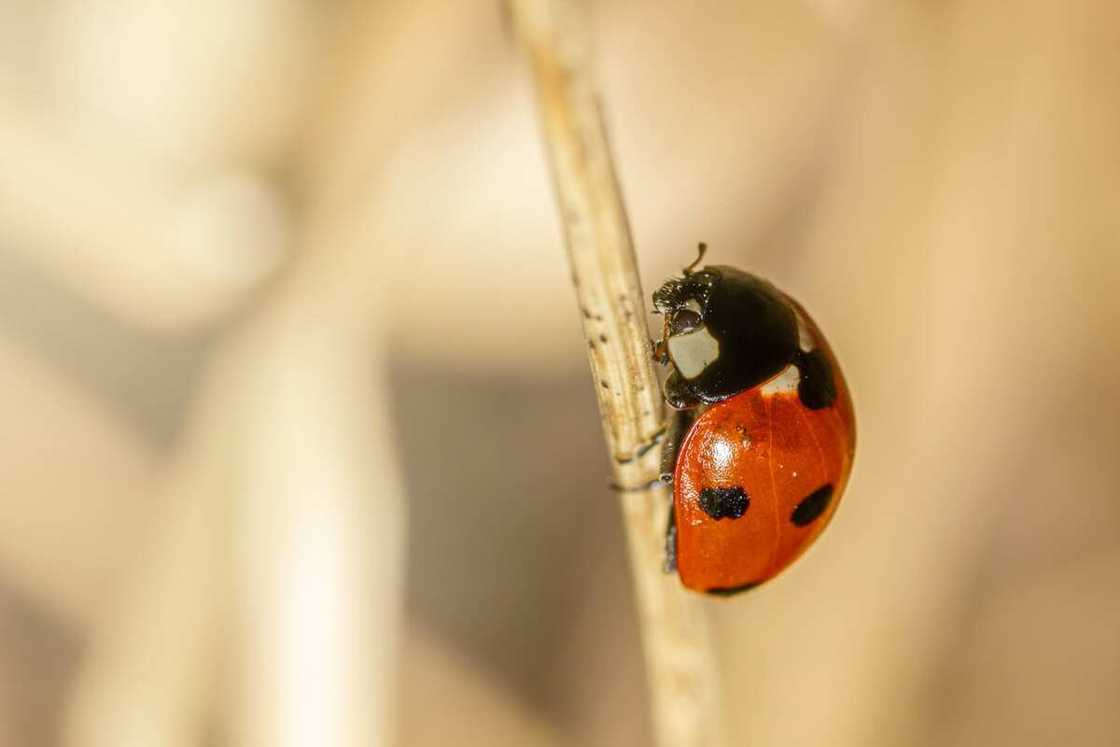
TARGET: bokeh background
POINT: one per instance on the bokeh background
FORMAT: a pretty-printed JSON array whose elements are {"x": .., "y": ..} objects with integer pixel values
[{"x": 297, "y": 444}]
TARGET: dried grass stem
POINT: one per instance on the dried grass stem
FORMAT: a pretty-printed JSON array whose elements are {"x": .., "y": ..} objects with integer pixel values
[{"x": 682, "y": 676}]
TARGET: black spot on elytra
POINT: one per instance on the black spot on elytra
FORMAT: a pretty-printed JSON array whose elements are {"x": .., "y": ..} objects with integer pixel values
[
  {"x": 816, "y": 387},
  {"x": 721, "y": 591},
  {"x": 724, "y": 503},
  {"x": 812, "y": 506}
]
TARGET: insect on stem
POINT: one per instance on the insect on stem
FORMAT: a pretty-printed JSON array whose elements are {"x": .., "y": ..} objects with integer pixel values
[{"x": 681, "y": 668}]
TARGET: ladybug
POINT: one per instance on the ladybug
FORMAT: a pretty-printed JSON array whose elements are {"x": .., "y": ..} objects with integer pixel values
[{"x": 761, "y": 443}]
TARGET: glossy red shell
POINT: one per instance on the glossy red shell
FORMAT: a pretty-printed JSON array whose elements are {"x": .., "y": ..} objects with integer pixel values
[{"x": 779, "y": 452}]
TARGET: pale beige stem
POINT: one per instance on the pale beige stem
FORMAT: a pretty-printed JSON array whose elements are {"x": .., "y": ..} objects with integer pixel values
[{"x": 682, "y": 674}]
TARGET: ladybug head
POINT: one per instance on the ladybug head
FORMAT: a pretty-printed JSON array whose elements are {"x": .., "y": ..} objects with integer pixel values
[{"x": 726, "y": 331}]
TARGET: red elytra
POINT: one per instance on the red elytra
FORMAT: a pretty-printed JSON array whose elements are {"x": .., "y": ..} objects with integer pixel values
[{"x": 787, "y": 466}]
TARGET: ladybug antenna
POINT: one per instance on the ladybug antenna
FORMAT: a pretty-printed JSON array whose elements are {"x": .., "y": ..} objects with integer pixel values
[{"x": 700, "y": 252}]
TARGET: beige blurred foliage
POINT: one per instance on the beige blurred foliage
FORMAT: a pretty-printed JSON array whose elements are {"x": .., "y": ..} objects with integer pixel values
[{"x": 297, "y": 443}]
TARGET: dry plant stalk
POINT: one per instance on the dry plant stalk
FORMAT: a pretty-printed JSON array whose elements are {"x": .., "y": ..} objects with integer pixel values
[{"x": 681, "y": 668}]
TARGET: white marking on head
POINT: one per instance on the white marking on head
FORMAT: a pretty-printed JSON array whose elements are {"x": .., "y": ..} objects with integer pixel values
[
  {"x": 786, "y": 381},
  {"x": 804, "y": 337},
  {"x": 693, "y": 351}
]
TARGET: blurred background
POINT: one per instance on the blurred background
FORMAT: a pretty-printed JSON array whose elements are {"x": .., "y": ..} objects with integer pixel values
[{"x": 297, "y": 443}]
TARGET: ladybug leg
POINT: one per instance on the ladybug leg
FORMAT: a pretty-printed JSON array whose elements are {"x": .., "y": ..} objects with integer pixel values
[
  {"x": 674, "y": 436},
  {"x": 680, "y": 422},
  {"x": 671, "y": 542},
  {"x": 661, "y": 347},
  {"x": 678, "y": 394}
]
